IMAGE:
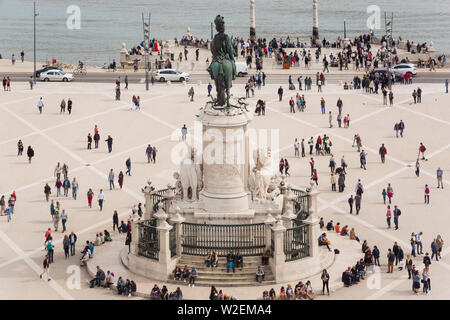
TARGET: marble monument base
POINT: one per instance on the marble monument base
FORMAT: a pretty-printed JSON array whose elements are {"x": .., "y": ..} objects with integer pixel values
[{"x": 224, "y": 203}]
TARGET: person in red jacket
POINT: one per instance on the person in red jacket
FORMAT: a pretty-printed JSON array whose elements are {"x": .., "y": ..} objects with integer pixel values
[
  {"x": 382, "y": 151},
  {"x": 422, "y": 150}
]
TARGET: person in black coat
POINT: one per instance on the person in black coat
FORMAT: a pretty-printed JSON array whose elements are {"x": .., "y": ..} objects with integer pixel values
[{"x": 30, "y": 153}]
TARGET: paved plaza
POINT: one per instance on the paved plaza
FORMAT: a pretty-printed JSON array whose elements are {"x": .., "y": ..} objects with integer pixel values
[{"x": 57, "y": 137}]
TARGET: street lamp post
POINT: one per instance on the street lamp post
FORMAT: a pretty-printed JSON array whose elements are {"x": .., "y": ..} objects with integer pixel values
[
  {"x": 34, "y": 40},
  {"x": 345, "y": 29}
]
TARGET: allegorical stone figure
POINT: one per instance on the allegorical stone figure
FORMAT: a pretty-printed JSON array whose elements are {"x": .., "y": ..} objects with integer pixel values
[{"x": 222, "y": 68}]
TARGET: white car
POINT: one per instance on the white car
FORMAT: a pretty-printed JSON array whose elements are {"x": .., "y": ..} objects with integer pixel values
[
  {"x": 405, "y": 68},
  {"x": 241, "y": 68},
  {"x": 55, "y": 75},
  {"x": 171, "y": 74}
]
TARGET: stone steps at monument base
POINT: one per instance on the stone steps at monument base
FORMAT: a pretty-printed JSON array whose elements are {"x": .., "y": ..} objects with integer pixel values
[{"x": 219, "y": 276}]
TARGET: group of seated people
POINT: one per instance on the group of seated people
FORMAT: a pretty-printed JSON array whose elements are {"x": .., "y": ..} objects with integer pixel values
[
  {"x": 219, "y": 295},
  {"x": 344, "y": 231},
  {"x": 102, "y": 237},
  {"x": 164, "y": 294},
  {"x": 323, "y": 241},
  {"x": 212, "y": 260},
  {"x": 185, "y": 275},
  {"x": 124, "y": 287},
  {"x": 301, "y": 291},
  {"x": 356, "y": 273},
  {"x": 87, "y": 252}
]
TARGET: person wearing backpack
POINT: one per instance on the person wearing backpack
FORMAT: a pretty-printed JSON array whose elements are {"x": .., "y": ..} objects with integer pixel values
[
  {"x": 49, "y": 247},
  {"x": 397, "y": 213}
]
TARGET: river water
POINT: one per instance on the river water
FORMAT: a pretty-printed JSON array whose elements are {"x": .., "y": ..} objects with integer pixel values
[{"x": 105, "y": 24}]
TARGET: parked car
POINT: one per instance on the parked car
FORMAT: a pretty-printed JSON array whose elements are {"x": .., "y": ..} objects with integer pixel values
[
  {"x": 171, "y": 74},
  {"x": 241, "y": 69},
  {"x": 405, "y": 68},
  {"x": 55, "y": 75},
  {"x": 46, "y": 68}
]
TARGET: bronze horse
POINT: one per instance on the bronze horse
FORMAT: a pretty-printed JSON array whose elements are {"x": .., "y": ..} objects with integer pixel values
[{"x": 222, "y": 68}]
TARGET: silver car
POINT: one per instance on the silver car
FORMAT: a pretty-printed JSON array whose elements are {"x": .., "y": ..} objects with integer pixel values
[
  {"x": 55, "y": 75},
  {"x": 171, "y": 74},
  {"x": 405, "y": 68}
]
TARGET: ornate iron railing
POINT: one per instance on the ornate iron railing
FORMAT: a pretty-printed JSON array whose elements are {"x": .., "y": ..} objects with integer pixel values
[
  {"x": 148, "y": 245},
  {"x": 199, "y": 239},
  {"x": 296, "y": 243},
  {"x": 173, "y": 240},
  {"x": 301, "y": 205},
  {"x": 159, "y": 198}
]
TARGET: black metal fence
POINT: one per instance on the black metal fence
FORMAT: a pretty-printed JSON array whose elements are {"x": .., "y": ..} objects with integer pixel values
[
  {"x": 148, "y": 239},
  {"x": 173, "y": 240},
  {"x": 296, "y": 242},
  {"x": 159, "y": 198},
  {"x": 199, "y": 239},
  {"x": 301, "y": 205}
]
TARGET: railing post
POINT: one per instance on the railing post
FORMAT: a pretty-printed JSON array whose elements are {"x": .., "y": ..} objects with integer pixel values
[
  {"x": 270, "y": 220},
  {"x": 134, "y": 238},
  {"x": 312, "y": 221},
  {"x": 279, "y": 258},
  {"x": 178, "y": 220},
  {"x": 164, "y": 247}
]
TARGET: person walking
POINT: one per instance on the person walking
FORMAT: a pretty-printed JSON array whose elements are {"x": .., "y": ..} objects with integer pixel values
[
  {"x": 291, "y": 105},
  {"x": 325, "y": 277},
  {"x": 40, "y": 105},
  {"x": 128, "y": 165},
  {"x": 391, "y": 259},
  {"x": 96, "y": 140},
  {"x": 412, "y": 241},
  {"x": 435, "y": 250},
  {"x": 280, "y": 93},
  {"x": 390, "y": 192},
  {"x": 63, "y": 217},
  {"x": 401, "y": 127},
  {"x": 397, "y": 212},
  {"x": 414, "y": 95},
  {"x": 446, "y": 85},
  {"x": 109, "y": 142},
  {"x": 388, "y": 216},
  {"x": 66, "y": 246},
  {"x": 333, "y": 182},
  {"x": 209, "y": 89},
  {"x": 50, "y": 249},
  {"x": 90, "y": 196},
  {"x": 120, "y": 179},
  {"x": 376, "y": 256},
  {"x": 62, "y": 106},
  {"x": 391, "y": 98},
  {"x": 111, "y": 179},
  {"x": 148, "y": 153},
  {"x": 427, "y": 194},
  {"x": 296, "y": 148},
  {"x": 126, "y": 82},
  {"x": 30, "y": 154},
  {"x": 384, "y": 91},
  {"x": 322, "y": 105},
  {"x": 183, "y": 132},
  {"x": 154, "y": 154},
  {"x": 440, "y": 243},
  {"x": 101, "y": 198},
  {"x": 191, "y": 94},
  {"x": 422, "y": 150},
  {"x": 69, "y": 106},
  {"x": 382, "y": 152},
  {"x": 408, "y": 265},
  {"x": 46, "y": 267},
  {"x": 439, "y": 173},
  {"x": 417, "y": 168},
  {"x": 74, "y": 188},
  {"x": 362, "y": 159},
  {"x": 72, "y": 242},
  {"x": 47, "y": 191},
  {"x": 350, "y": 203},
  {"x": 330, "y": 119},
  {"x": 418, "y": 241},
  {"x": 357, "y": 203},
  {"x": 115, "y": 221},
  {"x": 419, "y": 95}
]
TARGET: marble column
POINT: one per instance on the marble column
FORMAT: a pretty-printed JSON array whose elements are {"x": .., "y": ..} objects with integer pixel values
[
  {"x": 252, "y": 20},
  {"x": 315, "y": 35}
]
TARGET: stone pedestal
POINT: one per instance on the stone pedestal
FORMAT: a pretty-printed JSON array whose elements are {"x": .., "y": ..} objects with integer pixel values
[
  {"x": 315, "y": 32},
  {"x": 279, "y": 258},
  {"x": 225, "y": 161},
  {"x": 177, "y": 220},
  {"x": 252, "y": 20}
]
